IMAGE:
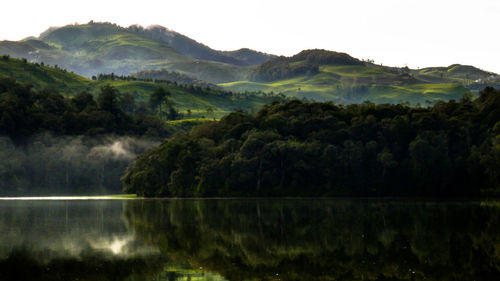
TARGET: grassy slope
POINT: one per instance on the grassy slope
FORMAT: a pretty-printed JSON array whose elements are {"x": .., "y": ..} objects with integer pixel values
[
  {"x": 214, "y": 72},
  {"x": 455, "y": 72},
  {"x": 43, "y": 76},
  {"x": 354, "y": 84},
  {"x": 70, "y": 84}
]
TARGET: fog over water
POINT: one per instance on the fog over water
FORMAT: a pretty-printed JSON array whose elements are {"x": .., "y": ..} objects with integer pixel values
[{"x": 55, "y": 165}]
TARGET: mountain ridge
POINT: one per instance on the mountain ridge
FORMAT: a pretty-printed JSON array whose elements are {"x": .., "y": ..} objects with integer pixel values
[{"x": 92, "y": 48}]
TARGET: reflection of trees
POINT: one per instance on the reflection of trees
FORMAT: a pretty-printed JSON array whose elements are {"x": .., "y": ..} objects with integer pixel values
[
  {"x": 76, "y": 240},
  {"x": 324, "y": 240},
  {"x": 25, "y": 265}
]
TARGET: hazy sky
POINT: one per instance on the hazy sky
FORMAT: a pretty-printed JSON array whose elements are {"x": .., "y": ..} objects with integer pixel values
[{"x": 416, "y": 33}]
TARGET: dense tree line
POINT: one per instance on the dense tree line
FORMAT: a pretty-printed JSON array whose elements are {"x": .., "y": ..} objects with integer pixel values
[
  {"x": 165, "y": 75},
  {"x": 191, "y": 86},
  {"x": 25, "y": 112},
  {"x": 318, "y": 56},
  {"x": 304, "y": 63},
  {"x": 323, "y": 149},
  {"x": 282, "y": 68}
]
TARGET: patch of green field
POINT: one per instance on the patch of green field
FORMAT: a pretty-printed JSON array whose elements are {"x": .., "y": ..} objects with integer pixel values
[
  {"x": 354, "y": 70},
  {"x": 214, "y": 72},
  {"x": 423, "y": 94},
  {"x": 187, "y": 124},
  {"x": 191, "y": 120}
]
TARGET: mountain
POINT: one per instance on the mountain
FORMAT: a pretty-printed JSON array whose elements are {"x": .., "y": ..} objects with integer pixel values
[
  {"x": 325, "y": 75},
  {"x": 92, "y": 48},
  {"x": 199, "y": 100}
]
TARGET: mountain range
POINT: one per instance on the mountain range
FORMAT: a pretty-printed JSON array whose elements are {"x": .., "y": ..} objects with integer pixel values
[{"x": 158, "y": 53}]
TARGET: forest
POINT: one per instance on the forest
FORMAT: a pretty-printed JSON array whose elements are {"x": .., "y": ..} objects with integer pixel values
[
  {"x": 55, "y": 145},
  {"x": 451, "y": 149},
  {"x": 25, "y": 112}
]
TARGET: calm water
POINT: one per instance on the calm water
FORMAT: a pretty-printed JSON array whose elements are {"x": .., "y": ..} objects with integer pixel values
[{"x": 249, "y": 240}]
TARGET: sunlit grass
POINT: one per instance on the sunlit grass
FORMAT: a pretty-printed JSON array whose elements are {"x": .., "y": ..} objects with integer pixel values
[
  {"x": 344, "y": 83},
  {"x": 192, "y": 120}
]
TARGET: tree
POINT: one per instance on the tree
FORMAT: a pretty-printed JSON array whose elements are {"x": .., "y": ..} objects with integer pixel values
[
  {"x": 159, "y": 97},
  {"x": 82, "y": 101},
  {"x": 386, "y": 159},
  {"x": 210, "y": 110},
  {"x": 126, "y": 102},
  {"x": 108, "y": 99}
]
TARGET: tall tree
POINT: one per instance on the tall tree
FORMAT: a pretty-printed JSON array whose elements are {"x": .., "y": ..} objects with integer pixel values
[
  {"x": 159, "y": 97},
  {"x": 108, "y": 99}
]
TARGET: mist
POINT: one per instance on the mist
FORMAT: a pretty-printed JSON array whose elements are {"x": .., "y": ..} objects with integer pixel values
[
  {"x": 80, "y": 165},
  {"x": 65, "y": 240}
]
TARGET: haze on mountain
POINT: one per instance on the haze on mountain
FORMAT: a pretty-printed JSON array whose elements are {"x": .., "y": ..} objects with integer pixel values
[{"x": 93, "y": 48}]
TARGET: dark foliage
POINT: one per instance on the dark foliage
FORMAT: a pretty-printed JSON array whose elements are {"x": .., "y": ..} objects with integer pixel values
[
  {"x": 304, "y": 63},
  {"x": 320, "y": 149},
  {"x": 172, "y": 76},
  {"x": 25, "y": 112}
]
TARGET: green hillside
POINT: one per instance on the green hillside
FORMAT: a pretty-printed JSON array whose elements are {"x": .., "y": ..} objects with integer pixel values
[
  {"x": 43, "y": 76},
  {"x": 455, "y": 72},
  {"x": 200, "y": 101},
  {"x": 322, "y": 75},
  {"x": 89, "y": 49}
]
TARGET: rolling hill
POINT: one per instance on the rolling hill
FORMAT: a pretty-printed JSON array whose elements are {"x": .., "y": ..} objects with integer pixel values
[
  {"x": 92, "y": 48},
  {"x": 324, "y": 75},
  {"x": 201, "y": 101}
]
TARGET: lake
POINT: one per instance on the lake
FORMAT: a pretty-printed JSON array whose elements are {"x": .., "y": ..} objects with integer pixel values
[{"x": 260, "y": 239}]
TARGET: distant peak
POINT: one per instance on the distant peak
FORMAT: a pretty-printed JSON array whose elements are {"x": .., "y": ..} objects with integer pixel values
[{"x": 157, "y": 26}]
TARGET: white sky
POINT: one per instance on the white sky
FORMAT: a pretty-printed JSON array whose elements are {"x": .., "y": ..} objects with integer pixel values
[{"x": 417, "y": 33}]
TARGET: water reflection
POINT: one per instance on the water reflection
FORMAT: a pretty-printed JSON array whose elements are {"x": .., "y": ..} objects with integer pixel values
[{"x": 249, "y": 240}]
